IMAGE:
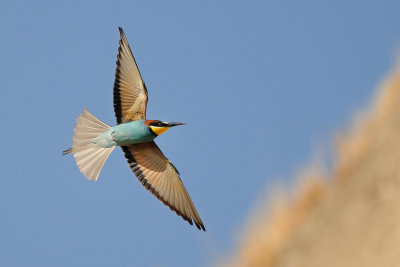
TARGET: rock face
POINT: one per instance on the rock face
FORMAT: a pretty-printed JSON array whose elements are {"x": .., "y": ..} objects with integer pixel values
[{"x": 354, "y": 219}]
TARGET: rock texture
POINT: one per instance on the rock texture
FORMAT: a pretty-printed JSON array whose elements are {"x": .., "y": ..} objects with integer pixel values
[{"x": 353, "y": 219}]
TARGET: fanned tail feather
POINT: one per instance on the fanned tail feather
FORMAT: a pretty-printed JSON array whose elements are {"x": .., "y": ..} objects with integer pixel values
[{"x": 90, "y": 159}]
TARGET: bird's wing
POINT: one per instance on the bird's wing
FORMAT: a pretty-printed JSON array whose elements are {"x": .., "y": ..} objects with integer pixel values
[
  {"x": 130, "y": 93},
  {"x": 161, "y": 178}
]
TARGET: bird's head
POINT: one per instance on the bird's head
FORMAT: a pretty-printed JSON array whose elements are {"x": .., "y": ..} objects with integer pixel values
[{"x": 159, "y": 127}]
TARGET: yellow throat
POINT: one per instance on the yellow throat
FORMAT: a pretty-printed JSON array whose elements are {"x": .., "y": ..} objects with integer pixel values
[{"x": 158, "y": 130}]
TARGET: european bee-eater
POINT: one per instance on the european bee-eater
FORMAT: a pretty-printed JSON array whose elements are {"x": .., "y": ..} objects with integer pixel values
[{"x": 93, "y": 140}]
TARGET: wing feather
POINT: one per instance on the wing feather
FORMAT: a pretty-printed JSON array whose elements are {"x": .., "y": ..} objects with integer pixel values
[
  {"x": 130, "y": 93},
  {"x": 160, "y": 177}
]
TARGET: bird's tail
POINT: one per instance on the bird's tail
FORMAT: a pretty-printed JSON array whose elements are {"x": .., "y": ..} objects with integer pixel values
[{"x": 90, "y": 159}]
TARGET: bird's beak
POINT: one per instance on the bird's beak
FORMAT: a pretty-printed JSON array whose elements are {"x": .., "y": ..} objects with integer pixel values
[{"x": 172, "y": 124}]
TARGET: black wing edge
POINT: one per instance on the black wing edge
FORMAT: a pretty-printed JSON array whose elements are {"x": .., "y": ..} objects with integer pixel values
[
  {"x": 142, "y": 179},
  {"x": 116, "y": 89}
]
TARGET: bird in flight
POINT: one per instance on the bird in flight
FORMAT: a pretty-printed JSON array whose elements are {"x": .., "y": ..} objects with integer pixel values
[{"x": 93, "y": 140}]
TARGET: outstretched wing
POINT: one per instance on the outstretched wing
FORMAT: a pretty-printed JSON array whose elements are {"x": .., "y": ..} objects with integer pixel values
[
  {"x": 130, "y": 93},
  {"x": 161, "y": 178}
]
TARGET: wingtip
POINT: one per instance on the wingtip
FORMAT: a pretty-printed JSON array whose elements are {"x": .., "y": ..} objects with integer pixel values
[
  {"x": 201, "y": 227},
  {"x": 121, "y": 31},
  {"x": 191, "y": 221}
]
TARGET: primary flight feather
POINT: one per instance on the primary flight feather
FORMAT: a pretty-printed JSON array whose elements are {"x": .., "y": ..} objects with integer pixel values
[{"x": 93, "y": 140}]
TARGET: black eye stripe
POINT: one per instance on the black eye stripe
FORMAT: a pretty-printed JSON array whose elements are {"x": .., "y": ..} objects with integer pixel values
[{"x": 159, "y": 124}]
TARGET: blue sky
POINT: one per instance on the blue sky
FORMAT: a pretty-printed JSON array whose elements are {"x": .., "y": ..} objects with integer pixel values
[{"x": 260, "y": 84}]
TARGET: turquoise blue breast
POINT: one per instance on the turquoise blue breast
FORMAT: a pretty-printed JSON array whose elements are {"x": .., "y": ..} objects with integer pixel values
[{"x": 132, "y": 133}]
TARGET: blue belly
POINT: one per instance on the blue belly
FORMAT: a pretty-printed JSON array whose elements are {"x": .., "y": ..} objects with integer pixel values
[{"x": 125, "y": 134}]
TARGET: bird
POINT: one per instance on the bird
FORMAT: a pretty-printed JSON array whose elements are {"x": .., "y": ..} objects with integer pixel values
[{"x": 93, "y": 140}]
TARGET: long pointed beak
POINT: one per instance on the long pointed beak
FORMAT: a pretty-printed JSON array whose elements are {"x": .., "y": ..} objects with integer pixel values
[{"x": 172, "y": 124}]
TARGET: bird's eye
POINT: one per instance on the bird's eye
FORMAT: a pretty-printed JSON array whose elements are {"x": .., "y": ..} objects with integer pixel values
[{"x": 158, "y": 124}]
